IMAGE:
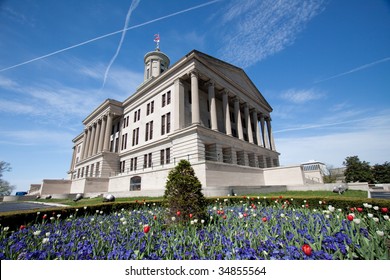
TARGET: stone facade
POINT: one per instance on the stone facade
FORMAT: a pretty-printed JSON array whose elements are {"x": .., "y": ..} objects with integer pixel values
[{"x": 200, "y": 109}]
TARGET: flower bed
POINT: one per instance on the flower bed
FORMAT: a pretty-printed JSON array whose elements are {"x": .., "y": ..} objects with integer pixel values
[{"x": 247, "y": 229}]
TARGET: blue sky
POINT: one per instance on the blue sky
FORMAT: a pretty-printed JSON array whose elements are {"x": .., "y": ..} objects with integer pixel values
[{"x": 323, "y": 65}]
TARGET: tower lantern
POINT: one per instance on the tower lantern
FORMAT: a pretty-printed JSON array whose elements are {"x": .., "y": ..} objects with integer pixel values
[{"x": 156, "y": 62}]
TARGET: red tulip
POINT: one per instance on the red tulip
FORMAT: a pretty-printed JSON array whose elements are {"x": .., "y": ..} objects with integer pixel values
[
  {"x": 245, "y": 215},
  {"x": 178, "y": 213},
  {"x": 307, "y": 249},
  {"x": 222, "y": 212},
  {"x": 146, "y": 228},
  {"x": 22, "y": 227},
  {"x": 359, "y": 209},
  {"x": 352, "y": 209},
  {"x": 280, "y": 197},
  {"x": 44, "y": 216},
  {"x": 350, "y": 218},
  {"x": 224, "y": 217},
  {"x": 264, "y": 219},
  {"x": 154, "y": 217},
  {"x": 384, "y": 210},
  {"x": 190, "y": 216},
  {"x": 307, "y": 205},
  {"x": 218, "y": 212}
]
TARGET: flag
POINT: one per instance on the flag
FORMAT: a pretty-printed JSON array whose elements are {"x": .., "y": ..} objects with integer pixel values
[{"x": 157, "y": 38}]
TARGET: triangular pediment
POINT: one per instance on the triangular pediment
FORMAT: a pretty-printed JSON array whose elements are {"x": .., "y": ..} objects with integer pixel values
[{"x": 234, "y": 75}]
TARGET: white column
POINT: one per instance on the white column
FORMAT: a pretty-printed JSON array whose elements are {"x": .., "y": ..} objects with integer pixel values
[
  {"x": 248, "y": 124},
  {"x": 72, "y": 162},
  {"x": 178, "y": 102},
  {"x": 238, "y": 118},
  {"x": 263, "y": 138},
  {"x": 96, "y": 139},
  {"x": 107, "y": 133},
  {"x": 195, "y": 98},
  {"x": 87, "y": 147},
  {"x": 257, "y": 128},
  {"x": 213, "y": 106},
  {"x": 101, "y": 134},
  {"x": 270, "y": 134},
  {"x": 226, "y": 112},
  {"x": 91, "y": 144},
  {"x": 85, "y": 139}
]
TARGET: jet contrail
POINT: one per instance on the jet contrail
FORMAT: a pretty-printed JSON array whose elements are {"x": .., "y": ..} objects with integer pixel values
[
  {"x": 110, "y": 34},
  {"x": 355, "y": 69},
  {"x": 133, "y": 6}
]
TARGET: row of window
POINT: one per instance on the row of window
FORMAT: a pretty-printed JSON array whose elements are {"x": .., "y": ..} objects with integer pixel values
[
  {"x": 165, "y": 158},
  {"x": 92, "y": 170},
  {"x": 165, "y": 100}
]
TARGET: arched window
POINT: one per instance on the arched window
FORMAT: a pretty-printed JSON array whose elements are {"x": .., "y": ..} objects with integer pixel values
[{"x": 135, "y": 183}]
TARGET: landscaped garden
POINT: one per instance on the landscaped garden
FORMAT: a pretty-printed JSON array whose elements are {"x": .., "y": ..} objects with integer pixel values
[
  {"x": 186, "y": 225},
  {"x": 236, "y": 228}
]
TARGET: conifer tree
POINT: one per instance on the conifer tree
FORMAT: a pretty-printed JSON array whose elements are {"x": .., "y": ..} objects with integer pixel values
[{"x": 183, "y": 195}]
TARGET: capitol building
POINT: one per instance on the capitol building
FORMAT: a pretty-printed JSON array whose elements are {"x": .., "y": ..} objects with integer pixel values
[{"x": 200, "y": 109}]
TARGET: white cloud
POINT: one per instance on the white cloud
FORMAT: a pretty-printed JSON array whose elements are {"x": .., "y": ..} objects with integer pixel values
[
  {"x": 301, "y": 96},
  {"x": 263, "y": 28},
  {"x": 371, "y": 145},
  {"x": 365, "y": 137}
]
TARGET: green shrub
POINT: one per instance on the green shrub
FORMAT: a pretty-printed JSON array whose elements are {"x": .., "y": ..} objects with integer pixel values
[{"x": 183, "y": 195}]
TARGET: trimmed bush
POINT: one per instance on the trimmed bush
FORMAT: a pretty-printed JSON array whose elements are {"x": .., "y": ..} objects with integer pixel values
[{"x": 183, "y": 195}]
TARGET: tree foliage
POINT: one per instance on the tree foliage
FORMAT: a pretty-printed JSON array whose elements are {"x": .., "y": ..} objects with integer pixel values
[
  {"x": 5, "y": 187},
  {"x": 183, "y": 194},
  {"x": 381, "y": 173},
  {"x": 357, "y": 170}
]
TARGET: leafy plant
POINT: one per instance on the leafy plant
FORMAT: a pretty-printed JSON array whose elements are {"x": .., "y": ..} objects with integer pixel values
[{"x": 183, "y": 194}]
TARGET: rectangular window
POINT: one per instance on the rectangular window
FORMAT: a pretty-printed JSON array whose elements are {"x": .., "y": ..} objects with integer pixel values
[
  {"x": 147, "y": 109},
  {"x": 132, "y": 164},
  {"x": 135, "y": 116},
  {"x": 91, "y": 172},
  {"x": 97, "y": 169},
  {"x": 162, "y": 157},
  {"x": 147, "y": 132},
  {"x": 135, "y": 136},
  {"x": 150, "y": 160},
  {"x": 163, "y": 100},
  {"x": 135, "y": 163},
  {"x": 116, "y": 144},
  {"x": 163, "y": 125},
  {"x": 168, "y": 122},
  {"x": 145, "y": 160},
  {"x": 151, "y": 130},
  {"x": 168, "y": 155},
  {"x": 139, "y": 113},
  {"x": 152, "y": 107},
  {"x": 169, "y": 97}
]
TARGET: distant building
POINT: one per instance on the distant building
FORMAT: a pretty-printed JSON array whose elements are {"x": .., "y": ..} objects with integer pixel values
[{"x": 314, "y": 172}]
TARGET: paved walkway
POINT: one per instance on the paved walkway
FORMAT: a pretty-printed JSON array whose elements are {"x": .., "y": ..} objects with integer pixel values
[{"x": 19, "y": 206}]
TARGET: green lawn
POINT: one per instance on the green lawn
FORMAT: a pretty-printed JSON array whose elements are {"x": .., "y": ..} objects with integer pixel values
[{"x": 308, "y": 194}]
